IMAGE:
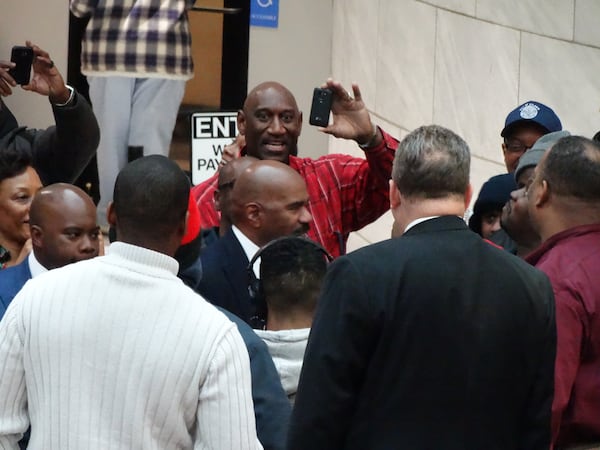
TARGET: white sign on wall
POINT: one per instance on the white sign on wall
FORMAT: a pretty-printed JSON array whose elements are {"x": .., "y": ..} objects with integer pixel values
[{"x": 211, "y": 131}]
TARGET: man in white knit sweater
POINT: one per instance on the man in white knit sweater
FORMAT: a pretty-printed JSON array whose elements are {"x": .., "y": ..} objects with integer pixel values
[{"x": 116, "y": 352}]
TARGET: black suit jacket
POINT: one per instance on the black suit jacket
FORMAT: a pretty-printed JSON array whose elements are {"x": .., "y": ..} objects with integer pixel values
[
  {"x": 224, "y": 277},
  {"x": 433, "y": 340}
]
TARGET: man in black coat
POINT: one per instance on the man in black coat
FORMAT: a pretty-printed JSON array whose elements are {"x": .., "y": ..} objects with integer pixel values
[{"x": 434, "y": 339}]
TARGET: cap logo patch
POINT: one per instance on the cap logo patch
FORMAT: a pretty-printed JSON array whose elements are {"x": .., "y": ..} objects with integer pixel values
[{"x": 529, "y": 111}]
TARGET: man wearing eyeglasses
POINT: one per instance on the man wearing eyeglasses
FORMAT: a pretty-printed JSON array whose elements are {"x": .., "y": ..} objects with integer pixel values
[{"x": 523, "y": 127}]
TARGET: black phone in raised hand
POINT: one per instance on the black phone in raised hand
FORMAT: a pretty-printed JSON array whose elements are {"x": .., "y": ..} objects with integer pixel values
[
  {"x": 321, "y": 106},
  {"x": 23, "y": 58}
]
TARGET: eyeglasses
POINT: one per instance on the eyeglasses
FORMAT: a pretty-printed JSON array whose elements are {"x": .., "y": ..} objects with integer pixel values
[{"x": 516, "y": 146}]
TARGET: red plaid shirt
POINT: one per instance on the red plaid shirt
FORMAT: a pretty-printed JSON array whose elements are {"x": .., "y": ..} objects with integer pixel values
[{"x": 345, "y": 193}]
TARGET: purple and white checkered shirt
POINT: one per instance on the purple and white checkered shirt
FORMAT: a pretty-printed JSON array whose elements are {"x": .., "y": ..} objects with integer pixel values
[{"x": 139, "y": 38}]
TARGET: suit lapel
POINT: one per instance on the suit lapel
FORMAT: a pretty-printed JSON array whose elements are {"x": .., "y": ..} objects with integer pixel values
[{"x": 234, "y": 266}]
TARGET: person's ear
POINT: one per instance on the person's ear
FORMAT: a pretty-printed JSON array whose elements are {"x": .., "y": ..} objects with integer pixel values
[
  {"x": 542, "y": 194},
  {"x": 468, "y": 195},
  {"x": 395, "y": 198},
  {"x": 111, "y": 215},
  {"x": 253, "y": 215},
  {"x": 217, "y": 200},
  {"x": 241, "y": 121},
  {"x": 505, "y": 154},
  {"x": 37, "y": 236},
  {"x": 299, "y": 122},
  {"x": 182, "y": 227}
]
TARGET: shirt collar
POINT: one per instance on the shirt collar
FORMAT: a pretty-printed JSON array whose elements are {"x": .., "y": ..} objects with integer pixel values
[
  {"x": 249, "y": 247},
  {"x": 418, "y": 221},
  {"x": 536, "y": 255},
  {"x": 35, "y": 267}
]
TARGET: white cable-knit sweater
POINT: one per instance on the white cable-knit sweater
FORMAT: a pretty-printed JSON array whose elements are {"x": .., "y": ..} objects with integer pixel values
[{"x": 117, "y": 353}]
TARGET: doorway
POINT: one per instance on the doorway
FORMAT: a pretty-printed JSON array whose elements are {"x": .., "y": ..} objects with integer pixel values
[{"x": 220, "y": 40}]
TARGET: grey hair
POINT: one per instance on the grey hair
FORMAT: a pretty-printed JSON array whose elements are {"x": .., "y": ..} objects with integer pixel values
[{"x": 432, "y": 162}]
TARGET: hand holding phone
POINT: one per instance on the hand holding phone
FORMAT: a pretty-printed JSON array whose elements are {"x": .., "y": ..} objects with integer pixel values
[
  {"x": 23, "y": 58},
  {"x": 321, "y": 107}
]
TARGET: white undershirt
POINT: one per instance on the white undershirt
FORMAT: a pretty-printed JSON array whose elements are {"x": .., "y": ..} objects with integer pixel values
[
  {"x": 418, "y": 221},
  {"x": 35, "y": 267}
]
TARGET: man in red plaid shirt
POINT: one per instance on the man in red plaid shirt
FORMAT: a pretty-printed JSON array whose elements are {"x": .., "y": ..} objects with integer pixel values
[{"x": 345, "y": 193}]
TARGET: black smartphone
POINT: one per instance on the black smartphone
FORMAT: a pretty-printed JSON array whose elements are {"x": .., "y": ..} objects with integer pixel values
[
  {"x": 23, "y": 58},
  {"x": 320, "y": 108}
]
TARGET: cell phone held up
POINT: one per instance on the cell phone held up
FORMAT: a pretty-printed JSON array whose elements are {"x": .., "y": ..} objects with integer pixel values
[
  {"x": 321, "y": 106},
  {"x": 23, "y": 58}
]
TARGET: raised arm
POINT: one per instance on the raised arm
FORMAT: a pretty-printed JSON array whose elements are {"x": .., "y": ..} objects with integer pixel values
[
  {"x": 364, "y": 184},
  {"x": 61, "y": 152}
]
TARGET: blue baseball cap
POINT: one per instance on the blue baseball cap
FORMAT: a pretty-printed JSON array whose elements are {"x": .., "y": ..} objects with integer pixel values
[{"x": 535, "y": 112}]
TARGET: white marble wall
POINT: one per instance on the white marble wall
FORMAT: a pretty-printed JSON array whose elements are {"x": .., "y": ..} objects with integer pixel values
[
  {"x": 298, "y": 54},
  {"x": 465, "y": 64}
]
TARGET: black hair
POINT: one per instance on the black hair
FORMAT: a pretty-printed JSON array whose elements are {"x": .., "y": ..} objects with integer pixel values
[
  {"x": 13, "y": 162},
  {"x": 291, "y": 274},
  {"x": 572, "y": 168},
  {"x": 151, "y": 197},
  {"x": 432, "y": 162}
]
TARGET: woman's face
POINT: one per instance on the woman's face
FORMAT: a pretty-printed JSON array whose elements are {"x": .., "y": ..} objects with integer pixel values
[
  {"x": 490, "y": 223},
  {"x": 16, "y": 194}
]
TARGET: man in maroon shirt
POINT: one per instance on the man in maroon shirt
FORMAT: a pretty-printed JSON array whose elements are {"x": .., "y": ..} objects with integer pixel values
[
  {"x": 564, "y": 207},
  {"x": 345, "y": 193}
]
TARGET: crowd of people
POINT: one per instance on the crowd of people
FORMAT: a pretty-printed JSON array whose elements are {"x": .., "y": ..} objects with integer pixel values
[{"x": 228, "y": 315}]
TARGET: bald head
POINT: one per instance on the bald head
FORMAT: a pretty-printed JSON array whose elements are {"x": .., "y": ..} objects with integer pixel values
[
  {"x": 63, "y": 225},
  {"x": 228, "y": 174},
  {"x": 269, "y": 200},
  {"x": 232, "y": 170},
  {"x": 265, "y": 180},
  {"x": 268, "y": 88},
  {"x": 270, "y": 122}
]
